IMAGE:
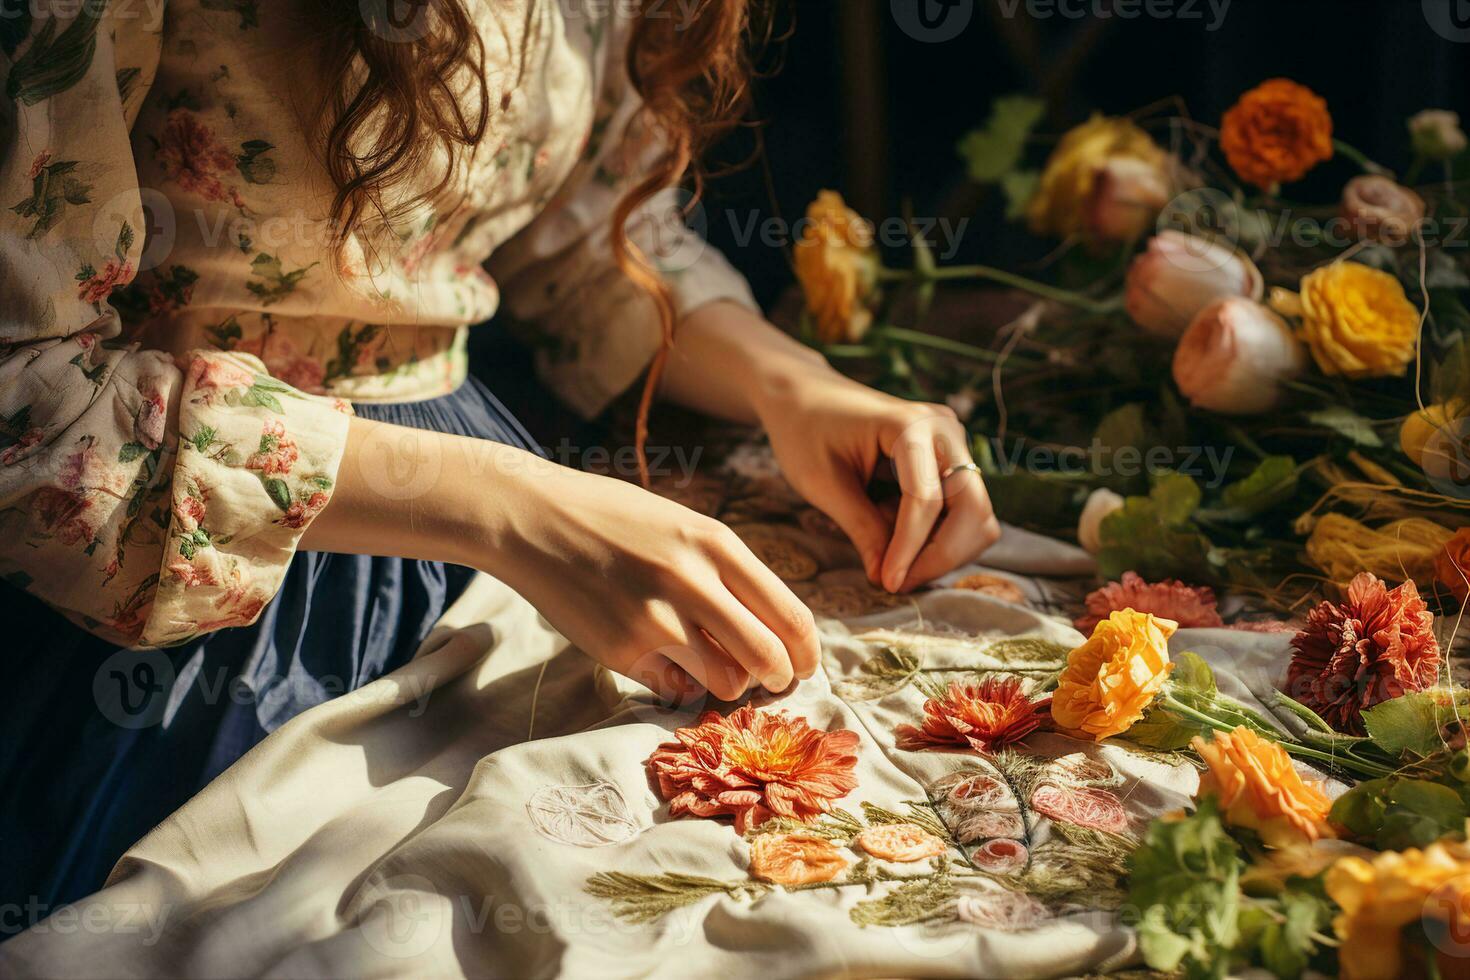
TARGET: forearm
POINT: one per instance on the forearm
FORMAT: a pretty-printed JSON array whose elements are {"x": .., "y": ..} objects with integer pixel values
[{"x": 727, "y": 361}]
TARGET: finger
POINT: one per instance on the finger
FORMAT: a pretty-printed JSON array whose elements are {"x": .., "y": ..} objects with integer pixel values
[
  {"x": 666, "y": 679},
  {"x": 861, "y": 520},
  {"x": 749, "y": 643},
  {"x": 709, "y": 664},
  {"x": 766, "y": 599},
  {"x": 967, "y": 530},
  {"x": 922, "y": 503}
]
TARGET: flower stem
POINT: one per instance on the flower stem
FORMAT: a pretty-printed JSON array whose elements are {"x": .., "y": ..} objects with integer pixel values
[
  {"x": 1361, "y": 159},
  {"x": 1064, "y": 296},
  {"x": 921, "y": 339}
]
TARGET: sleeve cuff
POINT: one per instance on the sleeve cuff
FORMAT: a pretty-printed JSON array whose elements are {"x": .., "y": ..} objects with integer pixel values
[{"x": 257, "y": 461}]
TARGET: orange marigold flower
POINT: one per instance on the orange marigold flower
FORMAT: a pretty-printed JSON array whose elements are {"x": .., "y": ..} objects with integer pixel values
[
  {"x": 1187, "y": 605},
  {"x": 754, "y": 765},
  {"x": 795, "y": 859},
  {"x": 900, "y": 842},
  {"x": 1452, "y": 564},
  {"x": 1375, "y": 645},
  {"x": 1277, "y": 132},
  {"x": 982, "y": 716},
  {"x": 1259, "y": 788}
]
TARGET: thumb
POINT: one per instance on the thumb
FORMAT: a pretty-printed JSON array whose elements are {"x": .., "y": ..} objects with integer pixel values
[{"x": 862, "y": 521}]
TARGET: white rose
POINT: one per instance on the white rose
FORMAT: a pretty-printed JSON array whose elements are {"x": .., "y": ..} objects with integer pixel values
[
  {"x": 1100, "y": 504},
  {"x": 1437, "y": 134}
]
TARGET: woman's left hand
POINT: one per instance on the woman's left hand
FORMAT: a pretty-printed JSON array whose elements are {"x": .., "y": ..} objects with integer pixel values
[{"x": 829, "y": 434}]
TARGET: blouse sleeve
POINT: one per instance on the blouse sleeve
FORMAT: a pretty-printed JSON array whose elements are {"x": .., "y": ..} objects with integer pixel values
[
  {"x": 595, "y": 330},
  {"x": 148, "y": 499}
]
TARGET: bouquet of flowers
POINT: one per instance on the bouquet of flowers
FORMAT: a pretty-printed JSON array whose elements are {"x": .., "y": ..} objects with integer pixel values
[{"x": 1216, "y": 382}]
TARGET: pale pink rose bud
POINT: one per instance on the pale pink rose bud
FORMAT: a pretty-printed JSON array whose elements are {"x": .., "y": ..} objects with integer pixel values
[
  {"x": 1377, "y": 208},
  {"x": 1437, "y": 134},
  {"x": 1127, "y": 196},
  {"x": 1234, "y": 356},
  {"x": 1179, "y": 275},
  {"x": 1100, "y": 504}
]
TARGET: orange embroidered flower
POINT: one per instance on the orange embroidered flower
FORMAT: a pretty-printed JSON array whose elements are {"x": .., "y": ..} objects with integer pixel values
[
  {"x": 983, "y": 716},
  {"x": 1276, "y": 133},
  {"x": 1259, "y": 788},
  {"x": 991, "y": 585},
  {"x": 1110, "y": 680},
  {"x": 1187, "y": 605},
  {"x": 900, "y": 842},
  {"x": 753, "y": 765},
  {"x": 1452, "y": 564},
  {"x": 795, "y": 859},
  {"x": 1377, "y": 644}
]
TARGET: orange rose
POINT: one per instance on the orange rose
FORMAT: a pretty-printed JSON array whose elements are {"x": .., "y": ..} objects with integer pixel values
[
  {"x": 795, "y": 859},
  {"x": 1110, "y": 680},
  {"x": 837, "y": 265},
  {"x": 900, "y": 842},
  {"x": 1276, "y": 133},
  {"x": 1259, "y": 788},
  {"x": 1452, "y": 564}
]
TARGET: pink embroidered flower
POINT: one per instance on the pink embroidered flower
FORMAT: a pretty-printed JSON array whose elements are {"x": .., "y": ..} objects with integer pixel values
[
  {"x": 16, "y": 450},
  {"x": 217, "y": 373},
  {"x": 1001, "y": 856},
  {"x": 277, "y": 452},
  {"x": 192, "y": 158},
  {"x": 100, "y": 285},
  {"x": 86, "y": 340},
  {"x": 64, "y": 514},
  {"x": 37, "y": 164},
  {"x": 149, "y": 425},
  {"x": 286, "y": 362},
  {"x": 190, "y": 574},
  {"x": 1004, "y": 910},
  {"x": 188, "y": 513},
  {"x": 110, "y": 570},
  {"x": 754, "y": 765},
  {"x": 1085, "y": 806},
  {"x": 1187, "y": 605},
  {"x": 85, "y": 469},
  {"x": 299, "y": 514},
  {"x": 1375, "y": 645},
  {"x": 983, "y": 716}
]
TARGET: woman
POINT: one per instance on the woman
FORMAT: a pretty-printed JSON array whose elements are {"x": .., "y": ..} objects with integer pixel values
[{"x": 242, "y": 244}]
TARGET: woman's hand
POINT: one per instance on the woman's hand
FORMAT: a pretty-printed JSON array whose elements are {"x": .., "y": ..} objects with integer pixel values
[
  {"x": 830, "y": 433},
  {"x": 651, "y": 589}
]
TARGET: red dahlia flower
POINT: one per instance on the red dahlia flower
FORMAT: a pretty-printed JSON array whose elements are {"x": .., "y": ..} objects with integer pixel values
[
  {"x": 1375, "y": 645},
  {"x": 1187, "y": 605},
  {"x": 982, "y": 716},
  {"x": 754, "y": 765}
]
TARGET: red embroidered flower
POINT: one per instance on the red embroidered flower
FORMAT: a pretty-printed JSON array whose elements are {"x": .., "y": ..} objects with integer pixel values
[
  {"x": 37, "y": 164},
  {"x": 217, "y": 372},
  {"x": 191, "y": 158},
  {"x": 1187, "y": 605},
  {"x": 1000, "y": 856},
  {"x": 982, "y": 716},
  {"x": 64, "y": 514},
  {"x": 754, "y": 765},
  {"x": 99, "y": 285},
  {"x": 16, "y": 450},
  {"x": 148, "y": 427},
  {"x": 277, "y": 452},
  {"x": 1377, "y": 644},
  {"x": 191, "y": 574},
  {"x": 1085, "y": 806},
  {"x": 300, "y": 514}
]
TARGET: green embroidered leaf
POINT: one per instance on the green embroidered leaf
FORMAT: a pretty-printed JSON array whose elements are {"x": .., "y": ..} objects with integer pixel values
[
  {"x": 645, "y": 898},
  {"x": 995, "y": 149},
  {"x": 320, "y": 481},
  {"x": 130, "y": 451},
  {"x": 257, "y": 395},
  {"x": 253, "y": 164},
  {"x": 1185, "y": 880},
  {"x": 1346, "y": 422},
  {"x": 1029, "y": 650},
  {"x": 54, "y": 63},
  {"x": 124, "y": 240},
  {"x": 280, "y": 494},
  {"x": 203, "y": 438},
  {"x": 888, "y": 670}
]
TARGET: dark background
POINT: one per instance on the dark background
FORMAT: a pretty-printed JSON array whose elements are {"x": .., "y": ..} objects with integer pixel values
[{"x": 861, "y": 106}]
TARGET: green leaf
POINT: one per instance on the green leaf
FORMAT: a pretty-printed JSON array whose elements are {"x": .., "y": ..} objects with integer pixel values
[
  {"x": 1160, "y": 728},
  {"x": 258, "y": 396},
  {"x": 1395, "y": 812},
  {"x": 1346, "y": 422},
  {"x": 130, "y": 451},
  {"x": 1175, "y": 497},
  {"x": 280, "y": 494},
  {"x": 1414, "y": 721},
  {"x": 1272, "y": 482},
  {"x": 1193, "y": 674},
  {"x": 995, "y": 149},
  {"x": 54, "y": 63},
  {"x": 1019, "y": 187}
]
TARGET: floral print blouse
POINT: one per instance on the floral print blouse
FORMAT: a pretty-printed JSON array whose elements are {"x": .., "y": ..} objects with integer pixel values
[{"x": 179, "y": 346}]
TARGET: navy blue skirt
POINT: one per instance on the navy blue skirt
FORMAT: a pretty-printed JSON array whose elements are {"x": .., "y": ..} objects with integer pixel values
[{"x": 98, "y": 744}]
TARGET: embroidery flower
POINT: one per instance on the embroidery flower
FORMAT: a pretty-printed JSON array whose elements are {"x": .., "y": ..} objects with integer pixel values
[
  {"x": 41, "y": 160},
  {"x": 1004, "y": 910},
  {"x": 795, "y": 859},
  {"x": 192, "y": 158},
  {"x": 191, "y": 574},
  {"x": 300, "y": 514},
  {"x": 1377, "y": 644},
  {"x": 1001, "y": 856},
  {"x": 1258, "y": 787},
  {"x": 16, "y": 450},
  {"x": 1187, "y": 605},
  {"x": 217, "y": 373},
  {"x": 1276, "y": 133},
  {"x": 189, "y": 511},
  {"x": 991, "y": 585},
  {"x": 1085, "y": 806},
  {"x": 148, "y": 427},
  {"x": 982, "y": 716},
  {"x": 277, "y": 453},
  {"x": 1111, "y": 679},
  {"x": 94, "y": 286},
  {"x": 899, "y": 842},
  {"x": 754, "y": 765},
  {"x": 1396, "y": 889},
  {"x": 64, "y": 514}
]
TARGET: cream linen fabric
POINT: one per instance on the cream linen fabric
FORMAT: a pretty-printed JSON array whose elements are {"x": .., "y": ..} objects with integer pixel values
[
  {"x": 177, "y": 336},
  {"x": 387, "y": 833}
]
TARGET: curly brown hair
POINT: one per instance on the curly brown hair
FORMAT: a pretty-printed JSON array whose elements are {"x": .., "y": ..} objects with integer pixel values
[{"x": 403, "y": 99}]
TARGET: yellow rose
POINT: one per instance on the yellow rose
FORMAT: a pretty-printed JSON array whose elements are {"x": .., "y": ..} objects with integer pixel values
[
  {"x": 1112, "y": 678},
  {"x": 1259, "y": 788},
  {"x": 1083, "y": 166},
  {"x": 1357, "y": 321},
  {"x": 838, "y": 269},
  {"x": 1406, "y": 548},
  {"x": 1396, "y": 889}
]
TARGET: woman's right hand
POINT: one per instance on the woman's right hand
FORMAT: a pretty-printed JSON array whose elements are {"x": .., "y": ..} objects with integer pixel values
[{"x": 650, "y": 589}]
